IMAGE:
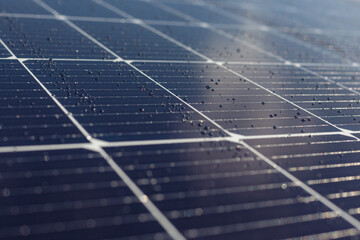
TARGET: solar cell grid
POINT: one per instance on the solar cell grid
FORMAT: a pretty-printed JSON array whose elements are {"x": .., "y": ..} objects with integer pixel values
[
  {"x": 114, "y": 102},
  {"x": 131, "y": 41},
  {"x": 221, "y": 190},
  {"x": 343, "y": 44},
  {"x": 67, "y": 195},
  {"x": 31, "y": 116},
  {"x": 328, "y": 164},
  {"x": 168, "y": 120},
  {"x": 235, "y": 103},
  {"x": 321, "y": 97},
  {"x": 56, "y": 39},
  {"x": 213, "y": 45},
  {"x": 290, "y": 50}
]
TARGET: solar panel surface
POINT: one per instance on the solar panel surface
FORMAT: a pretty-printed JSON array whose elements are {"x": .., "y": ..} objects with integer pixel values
[{"x": 164, "y": 119}]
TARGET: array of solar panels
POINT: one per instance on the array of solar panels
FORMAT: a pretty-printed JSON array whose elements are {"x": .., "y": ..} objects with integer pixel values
[{"x": 160, "y": 119}]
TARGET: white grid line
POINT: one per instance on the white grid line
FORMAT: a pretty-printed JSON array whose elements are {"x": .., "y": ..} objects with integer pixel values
[
  {"x": 47, "y": 147},
  {"x": 346, "y": 216},
  {"x": 194, "y": 23},
  {"x": 182, "y": 61},
  {"x": 104, "y": 144},
  {"x": 63, "y": 18},
  {"x": 157, "y": 214},
  {"x": 287, "y": 62},
  {"x": 163, "y": 22},
  {"x": 220, "y": 32},
  {"x": 141, "y": 23}
]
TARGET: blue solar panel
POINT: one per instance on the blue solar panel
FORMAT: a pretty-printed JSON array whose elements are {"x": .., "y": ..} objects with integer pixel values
[
  {"x": 165, "y": 119},
  {"x": 235, "y": 103},
  {"x": 113, "y": 102},
  {"x": 211, "y": 196}
]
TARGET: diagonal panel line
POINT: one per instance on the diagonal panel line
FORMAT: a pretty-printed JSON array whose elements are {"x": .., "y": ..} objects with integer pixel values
[
  {"x": 63, "y": 18},
  {"x": 305, "y": 187},
  {"x": 48, "y": 147},
  {"x": 149, "y": 205},
  {"x": 220, "y": 9},
  {"x": 259, "y": 49},
  {"x": 180, "y": 99},
  {"x": 116, "y": 10},
  {"x": 350, "y": 219},
  {"x": 63, "y": 109},
  {"x": 286, "y": 62},
  {"x": 297, "y": 65},
  {"x": 346, "y": 216},
  {"x": 294, "y": 104},
  {"x": 269, "y": 29}
]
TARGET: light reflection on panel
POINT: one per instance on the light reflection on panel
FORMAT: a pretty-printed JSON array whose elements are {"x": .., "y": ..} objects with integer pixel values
[
  {"x": 213, "y": 45},
  {"x": 234, "y": 103},
  {"x": 222, "y": 191},
  {"x": 328, "y": 164},
  {"x": 327, "y": 100},
  {"x": 114, "y": 102}
]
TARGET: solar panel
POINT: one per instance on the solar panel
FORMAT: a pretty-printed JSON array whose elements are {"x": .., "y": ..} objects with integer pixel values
[{"x": 164, "y": 119}]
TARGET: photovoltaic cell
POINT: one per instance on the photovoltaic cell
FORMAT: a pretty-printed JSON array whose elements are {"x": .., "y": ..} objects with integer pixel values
[
  {"x": 29, "y": 116},
  {"x": 114, "y": 102},
  {"x": 55, "y": 40},
  {"x": 131, "y": 41},
  {"x": 4, "y": 53},
  {"x": 61, "y": 194}
]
